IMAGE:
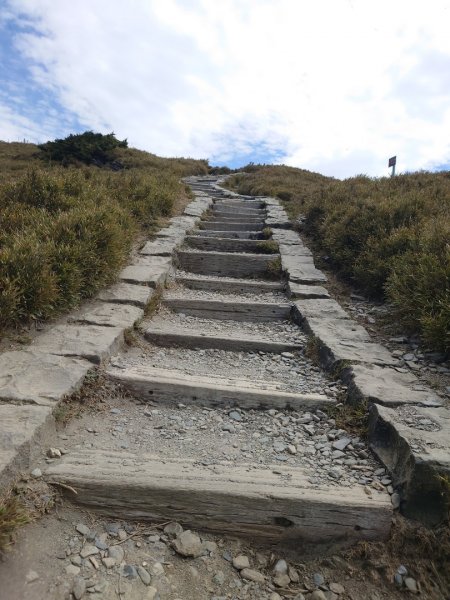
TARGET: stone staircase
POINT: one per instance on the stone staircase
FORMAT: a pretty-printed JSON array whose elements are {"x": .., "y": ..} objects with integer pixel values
[{"x": 228, "y": 300}]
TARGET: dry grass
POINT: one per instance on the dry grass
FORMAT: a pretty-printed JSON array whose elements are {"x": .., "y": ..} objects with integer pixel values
[
  {"x": 12, "y": 516},
  {"x": 66, "y": 232},
  {"x": 388, "y": 236}
]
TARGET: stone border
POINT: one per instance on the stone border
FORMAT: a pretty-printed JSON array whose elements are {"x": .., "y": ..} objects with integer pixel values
[
  {"x": 35, "y": 379},
  {"x": 409, "y": 429}
]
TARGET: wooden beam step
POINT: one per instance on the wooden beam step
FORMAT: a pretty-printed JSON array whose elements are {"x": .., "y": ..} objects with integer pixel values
[
  {"x": 238, "y": 235},
  {"x": 226, "y": 264},
  {"x": 170, "y": 387},
  {"x": 165, "y": 334},
  {"x": 220, "y": 284},
  {"x": 228, "y": 310},
  {"x": 226, "y": 244},
  {"x": 231, "y": 226},
  {"x": 275, "y": 505}
]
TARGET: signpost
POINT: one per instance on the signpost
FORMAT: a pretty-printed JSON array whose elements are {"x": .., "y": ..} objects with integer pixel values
[{"x": 392, "y": 163}]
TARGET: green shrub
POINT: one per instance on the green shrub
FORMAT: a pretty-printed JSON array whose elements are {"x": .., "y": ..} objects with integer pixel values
[{"x": 88, "y": 148}]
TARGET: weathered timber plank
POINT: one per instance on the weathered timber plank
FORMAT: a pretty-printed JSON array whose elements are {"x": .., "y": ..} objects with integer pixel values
[
  {"x": 225, "y": 263},
  {"x": 225, "y": 285},
  {"x": 238, "y": 499},
  {"x": 235, "y": 311},
  {"x": 170, "y": 387},
  {"x": 170, "y": 336},
  {"x": 225, "y": 244}
]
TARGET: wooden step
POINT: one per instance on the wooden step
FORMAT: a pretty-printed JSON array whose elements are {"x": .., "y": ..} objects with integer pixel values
[
  {"x": 238, "y": 213},
  {"x": 226, "y": 244},
  {"x": 171, "y": 387},
  {"x": 238, "y": 235},
  {"x": 226, "y": 263},
  {"x": 231, "y": 226},
  {"x": 276, "y": 505},
  {"x": 240, "y": 204},
  {"x": 165, "y": 334},
  {"x": 222, "y": 218},
  {"x": 228, "y": 310},
  {"x": 220, "y": 284}
]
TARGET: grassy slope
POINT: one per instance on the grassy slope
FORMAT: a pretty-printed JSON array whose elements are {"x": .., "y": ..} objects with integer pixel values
[
  {"x": 65, "y": 233},
  {"x": 390, "y": 236}
]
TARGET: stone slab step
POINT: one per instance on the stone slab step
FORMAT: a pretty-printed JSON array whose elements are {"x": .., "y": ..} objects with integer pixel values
[
  {"x": 171, "y": 387},
  {"x": 238, "y": 235},
  {"x": 127, "y": 293},
  {"x": 231, "y": 310},
  {"x": 232, "y": 226},
  {"x": 298, "y": 290},
  {"x": 165, "y": 334},
  {"x": 301, "y": 269},
  {"x": 244, "y": 500},
  {"x": 413, "y": 443},
  {"x": 226, "y": 264},
  {"x": 220, "y": 284},
  {"x": 149, "y": 270},
  {"x": 226, "y": 244}
]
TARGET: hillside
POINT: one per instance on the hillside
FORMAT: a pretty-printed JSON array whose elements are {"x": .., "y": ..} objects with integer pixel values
[
  {"x": 66, "y": 231},
  {"x": 389, "y": 236}
]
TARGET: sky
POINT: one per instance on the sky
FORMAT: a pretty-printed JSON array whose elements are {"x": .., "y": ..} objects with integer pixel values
[{"x": 334, "y": 86}]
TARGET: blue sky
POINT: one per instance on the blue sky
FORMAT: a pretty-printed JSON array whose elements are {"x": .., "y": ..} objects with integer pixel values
[{"x": 335, "y": 86}]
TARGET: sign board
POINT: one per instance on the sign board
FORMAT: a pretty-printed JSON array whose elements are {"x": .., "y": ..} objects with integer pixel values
[{"x": 392, "y": 161}]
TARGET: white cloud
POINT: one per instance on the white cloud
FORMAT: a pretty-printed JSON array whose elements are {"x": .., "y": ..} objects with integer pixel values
[{"x": 336, "y": 86}]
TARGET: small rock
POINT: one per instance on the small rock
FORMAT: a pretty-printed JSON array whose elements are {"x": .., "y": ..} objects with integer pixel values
[
  {"x": 317, "y": 595},
  {"x": 72, "y": 570},
  {"x": 341, "y": 444},
  {"x": 275, "y": 596},
  {"x": 78, "y": 588},
  {"x": 210, "y": 546},
  {"x": 281, "y": 567},
  {"x": 337, "y": 588},
  {"x": 411, "y": 585},
  {"x": 54, "y": 453},
  {"x": 395, "y": 500},
  {"x": 130, "y": 572},
  {"x": 252, "y": 575},
  {"x": 398, "y": 580},
  {"x": 188, "y": 544},
  {"x": 318, "y": 579},
  {"x": 151, "y": 593},
  {"x": 293, "y": 575},
  {"x": 219, "y": 578},
  {"x": 402, "y": 570},
  {"x": 241, "y": 562},
  {"x": 117, "y": 553},
  {"x": 292, "y": 449},
  {"x": 83, "y": 529},
  {"x": 31, "y": 576},
  {"x": 228, "y": 427},
  {"x": 235, "y": 415},
  {"x": 173, "y": 529},
  {"x": 88, "y": 550},
  {"x": 282, "y": 580},
  {"x": 109, "y": 562},
  {"x": 156, "y": 569},
  {"x": 36, "y": 473},
  {"x": 144, "y": 575}
]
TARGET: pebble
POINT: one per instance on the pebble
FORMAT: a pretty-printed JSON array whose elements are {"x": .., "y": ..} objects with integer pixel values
[
  {"x": 144, "y": 575},
  {"x": 36, "y": 473},
  {"x": 188, "y": 544},
  {"x": 83, "y": 529},
  {"x": 172, "y": 529},
  {"x": 411, "y": 585},
  {"x": 235, "y": 415},
  {"x": 31, "y": 576},
  {"x": 117, "y": 553},
  {"x": 281, "y": 567},
  {"x": 318, "y": 579},
  {"x": 78, "y": 588},
  {"x": 337, "y": 588},
  {"x": 317, "y": 595},
  {"x": 72, "y": 570},
  {"x": 151, "y": 593},
  {"x": 282, "y": 580},
  {"x": 156, "y": 569},
  {"x": 54, "y": 453},
  {"x": 109, "y": 562},
  {"x": 252, "y": 575},
  {"x": 395, "y": 500},
  {"x": 275, "y": 596},
  {"x": 241, "y": 562},
  {"x": 219, "y": 578},
  {"x": 130, "y": 572},
  {"x": 88, "y": 550}
]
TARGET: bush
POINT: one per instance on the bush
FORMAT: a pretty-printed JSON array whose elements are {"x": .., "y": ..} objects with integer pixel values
[{"x": 88, "y": 148}]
